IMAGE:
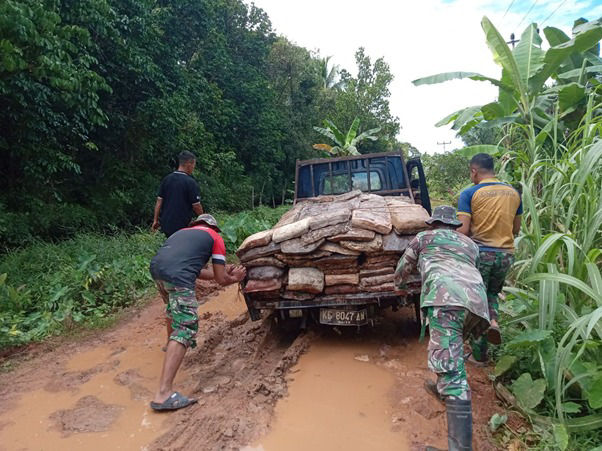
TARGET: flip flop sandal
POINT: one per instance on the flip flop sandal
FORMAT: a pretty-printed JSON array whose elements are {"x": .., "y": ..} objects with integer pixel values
[
  {"x": 470, "y": 359},
  {"x": 494, "y": 336},
  {"x": 431, "y": 389},
  {"x": 174, "y": 402}
]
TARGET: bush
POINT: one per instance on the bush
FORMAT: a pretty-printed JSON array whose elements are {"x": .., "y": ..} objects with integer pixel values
[{"x": 46, "y": 285}]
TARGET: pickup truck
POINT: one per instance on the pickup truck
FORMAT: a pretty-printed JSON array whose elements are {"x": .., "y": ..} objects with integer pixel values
[{"x": 331, "y": 257}]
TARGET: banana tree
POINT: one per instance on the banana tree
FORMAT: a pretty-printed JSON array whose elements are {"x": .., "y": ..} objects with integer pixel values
[
  {"x": 572, "y": 63},
  {"x": 346, "y": 144}
]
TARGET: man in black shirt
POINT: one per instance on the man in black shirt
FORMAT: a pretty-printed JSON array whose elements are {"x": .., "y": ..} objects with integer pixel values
[{"x": 178, "y": 197}]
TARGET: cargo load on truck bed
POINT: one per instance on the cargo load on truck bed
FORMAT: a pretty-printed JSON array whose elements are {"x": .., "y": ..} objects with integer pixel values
[{"x": 331, "y": 246}]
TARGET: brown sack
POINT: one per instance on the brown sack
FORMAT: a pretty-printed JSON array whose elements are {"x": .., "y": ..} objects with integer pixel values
[
  {"x": 305, "y": 279},
  {"x": 394, "y": 243},
  {"x": 265, "y": 273},
  {"x": 297, "y": 247},
  {"x": 341, "y": 279},
  {"x": 407, "y": 218},
  {"x": 291, "y": 231},
  {"x": 336, "y": 248},
  {"x": 255, "y": 240},
  {"x": 376, "y": 280},
  {"x": 330, "y": 218},
  {"x": 376, "y": 272},
  {"x": 263, "y": 251},
  {"x": 376, "y": 245},
  {"x": 254, "y": 286},
  {"x": 264, "y": 261},
  {"x": 325, "y": 232},
  {"x": 354, "y": 235}
]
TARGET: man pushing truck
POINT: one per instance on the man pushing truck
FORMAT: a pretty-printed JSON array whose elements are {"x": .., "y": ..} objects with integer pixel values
[{"x": 454, "y": 301}]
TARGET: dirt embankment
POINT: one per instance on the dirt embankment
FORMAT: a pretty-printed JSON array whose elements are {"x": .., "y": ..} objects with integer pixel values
[{"x": 361, "y": 387}]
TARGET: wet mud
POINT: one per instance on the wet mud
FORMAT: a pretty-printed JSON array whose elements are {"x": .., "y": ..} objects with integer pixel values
[{"x": 257, "y": 389}]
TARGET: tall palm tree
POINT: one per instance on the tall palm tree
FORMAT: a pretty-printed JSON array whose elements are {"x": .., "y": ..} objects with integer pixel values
[{"x": 330, "y": 73}]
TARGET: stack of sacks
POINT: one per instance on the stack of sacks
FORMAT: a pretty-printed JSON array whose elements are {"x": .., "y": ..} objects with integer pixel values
[{"x": 331, "y": 245}]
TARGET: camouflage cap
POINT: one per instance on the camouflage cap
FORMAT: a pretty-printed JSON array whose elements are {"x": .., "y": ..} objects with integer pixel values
[
  {"x": 445, "y": 214},
  {"x": 207, "y": 219}
]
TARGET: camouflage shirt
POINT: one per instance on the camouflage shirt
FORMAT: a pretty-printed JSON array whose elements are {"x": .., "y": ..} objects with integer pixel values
[{"x": 448, "y": 265}]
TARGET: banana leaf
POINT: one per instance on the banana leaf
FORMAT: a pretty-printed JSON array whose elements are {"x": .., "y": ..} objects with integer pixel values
[
  {"x": 351, "y": 134},
  {"x": 503, "y": 56},
  {"x": 447, "y": 76}
]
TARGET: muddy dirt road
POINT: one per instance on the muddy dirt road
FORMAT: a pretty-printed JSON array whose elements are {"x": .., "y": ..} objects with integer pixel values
[{"x": 257, "y": 390}]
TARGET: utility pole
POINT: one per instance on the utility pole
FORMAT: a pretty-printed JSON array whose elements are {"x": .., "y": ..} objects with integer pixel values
[
  {"x": 443, "y": 144},
  {"x": 513, "y": 41}
]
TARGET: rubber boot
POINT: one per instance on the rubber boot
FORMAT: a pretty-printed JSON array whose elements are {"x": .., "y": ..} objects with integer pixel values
[{"x": 459, "y": 424}]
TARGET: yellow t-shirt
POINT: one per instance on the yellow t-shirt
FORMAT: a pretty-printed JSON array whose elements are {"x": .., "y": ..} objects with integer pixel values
[{"x": 492, "y": 206}]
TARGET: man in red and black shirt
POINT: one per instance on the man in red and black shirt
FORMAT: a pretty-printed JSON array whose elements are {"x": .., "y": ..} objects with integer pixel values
[{"x": 175, "y": 268}]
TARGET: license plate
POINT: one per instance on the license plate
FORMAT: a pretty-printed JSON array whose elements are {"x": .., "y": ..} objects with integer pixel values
[{"x": 343, "y": 317}]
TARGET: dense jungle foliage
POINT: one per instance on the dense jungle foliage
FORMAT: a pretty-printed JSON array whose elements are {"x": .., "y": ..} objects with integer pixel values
[{"x": 99, "y": 96}]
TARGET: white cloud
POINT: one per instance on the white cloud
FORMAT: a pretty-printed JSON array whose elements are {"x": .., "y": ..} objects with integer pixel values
[{"x": 417, "y": 39}]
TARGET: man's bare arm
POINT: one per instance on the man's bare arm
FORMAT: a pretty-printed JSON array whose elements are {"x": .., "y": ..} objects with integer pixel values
[
  {"x": 158, "y": 204},
  {"x": 206, "y": 273},
  {"x": 198, "y": 208},
  {"x": 516, "y": 225},
  {"x": 224, "y": 278},
  {"x": 465, "y": 227}
]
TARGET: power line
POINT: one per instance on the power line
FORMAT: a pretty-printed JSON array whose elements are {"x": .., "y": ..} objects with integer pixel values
[
  {"x": 553, "y": 13},
  {"x": 507, "y": 9},
  {"x": 532, "y": 6}
]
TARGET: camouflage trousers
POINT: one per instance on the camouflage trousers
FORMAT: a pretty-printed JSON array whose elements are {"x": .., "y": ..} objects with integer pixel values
[
  {"x": 494, "y": 267},
  {"x": 445, "y": 350},
  {"x": 182, "y": 309}
]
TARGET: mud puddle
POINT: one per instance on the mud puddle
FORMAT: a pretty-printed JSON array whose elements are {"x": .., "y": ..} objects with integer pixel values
[
  {"x": 365, "y": 390},
  {"x": 97, "y": 395},
  {"x": 337, "y": 399},
  {"x": 229, "y": 302},
  {"x": 355, "y": 391}
]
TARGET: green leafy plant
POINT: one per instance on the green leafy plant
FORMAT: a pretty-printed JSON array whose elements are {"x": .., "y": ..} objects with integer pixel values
[
  {"x": 549, "y": 144},
  {"x": 346, "y": 144}
]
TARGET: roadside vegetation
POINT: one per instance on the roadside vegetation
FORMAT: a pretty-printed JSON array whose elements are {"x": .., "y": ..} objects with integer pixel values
[
  {"x": 547, "y": 137},
  {"x": 46, "y": 288}
]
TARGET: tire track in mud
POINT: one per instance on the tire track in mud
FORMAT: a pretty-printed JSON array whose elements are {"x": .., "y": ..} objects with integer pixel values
[{"x": 240, "y": 370}]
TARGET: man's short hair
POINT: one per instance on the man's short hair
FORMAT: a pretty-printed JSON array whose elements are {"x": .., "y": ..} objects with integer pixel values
[
  {"x": 482, "y": 161},
  {"x": 186, "y": 157}
]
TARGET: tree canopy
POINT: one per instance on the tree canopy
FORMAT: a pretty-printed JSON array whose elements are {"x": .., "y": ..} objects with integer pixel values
[{"x": 99, "y": 96}]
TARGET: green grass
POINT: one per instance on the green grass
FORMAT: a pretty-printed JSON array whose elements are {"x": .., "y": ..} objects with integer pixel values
[
  {"x": 556, "y": 300},
  {"x": 53, "y": 288},
  {"x": 46, "y": 287}
]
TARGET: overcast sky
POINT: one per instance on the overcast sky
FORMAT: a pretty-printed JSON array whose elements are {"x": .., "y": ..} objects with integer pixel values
[{"x": 417, "y": 39}]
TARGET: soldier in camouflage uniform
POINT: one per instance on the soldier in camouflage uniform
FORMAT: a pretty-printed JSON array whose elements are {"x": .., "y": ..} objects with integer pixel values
[{"x": 455, "y": 303}]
